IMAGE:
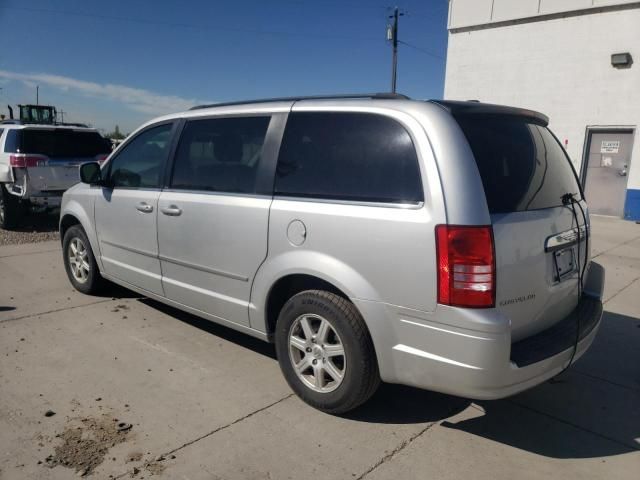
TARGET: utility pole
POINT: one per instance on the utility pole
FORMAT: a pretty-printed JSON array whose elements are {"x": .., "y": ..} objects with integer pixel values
[
  {"x": 37, "y": 94},
  {"x": 392, "y": 34}
]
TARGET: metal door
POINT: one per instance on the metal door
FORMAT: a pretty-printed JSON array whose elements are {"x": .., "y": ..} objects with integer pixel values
[{"x": 608, "y": 164}]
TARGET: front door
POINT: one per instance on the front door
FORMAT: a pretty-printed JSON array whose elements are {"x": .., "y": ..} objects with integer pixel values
[
  {"x": 126, "y": 212},
  {"x": 213, "y": 219},
  {"x": 608, "y": 166}
]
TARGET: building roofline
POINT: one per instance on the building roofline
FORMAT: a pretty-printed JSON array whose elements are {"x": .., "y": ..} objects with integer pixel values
[{"x": 543, "y": 17}]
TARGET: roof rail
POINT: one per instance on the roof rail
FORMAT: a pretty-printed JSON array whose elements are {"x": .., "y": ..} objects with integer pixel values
[{"x": 386, "y": 96}]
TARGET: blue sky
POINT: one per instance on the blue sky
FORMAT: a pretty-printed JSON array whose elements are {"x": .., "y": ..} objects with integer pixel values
[{"x": 136, "y": 59}]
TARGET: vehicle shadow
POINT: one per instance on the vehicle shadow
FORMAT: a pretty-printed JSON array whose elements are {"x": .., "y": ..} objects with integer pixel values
[
  {"x": 226, "y": 333},
  {"x": 399, "y": 404},
  {"x": 562, "y": 418},
  {"x": 6, "y": 309},
  {"x": 37, "y": 222},
  {"x": 592, "y": 410},
  {"x": 115, "y": 291}
]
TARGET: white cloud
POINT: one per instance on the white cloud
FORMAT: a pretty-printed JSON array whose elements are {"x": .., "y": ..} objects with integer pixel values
[{"x": 137, "y": 99}]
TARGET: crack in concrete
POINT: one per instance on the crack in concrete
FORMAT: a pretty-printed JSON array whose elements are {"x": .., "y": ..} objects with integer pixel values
[
  {"x": 404, "y": 444},
  {"x": 13, "y": 319},
  {"x": 600, "y": 379},
  {"x": 604, "y": 252},
  {"x": 620, "y": 291},
  {"x": 578, "y": 427},
  {"x": 30, "y": 253},
  {"x": 216, "y": 430}
]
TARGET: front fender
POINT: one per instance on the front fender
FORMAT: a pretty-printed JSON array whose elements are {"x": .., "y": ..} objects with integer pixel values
[
  {"x": 320, "y": 265},
  {"x": 82, "y": 210}
]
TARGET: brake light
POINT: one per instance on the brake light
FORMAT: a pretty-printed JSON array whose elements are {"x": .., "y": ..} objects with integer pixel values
[
  {"x": 101, "y": 158},
  {"x": 466, "y": 266},
  {"x": 21, "y": 160}
]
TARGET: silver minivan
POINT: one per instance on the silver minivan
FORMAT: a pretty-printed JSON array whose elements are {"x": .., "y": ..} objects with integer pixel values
[{"x": 438, "y": 244}]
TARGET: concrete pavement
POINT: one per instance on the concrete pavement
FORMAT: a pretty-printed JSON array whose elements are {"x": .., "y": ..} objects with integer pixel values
[{"x": 215, "y": 400}]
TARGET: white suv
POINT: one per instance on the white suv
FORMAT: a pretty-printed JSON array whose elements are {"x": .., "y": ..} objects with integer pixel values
[
  {"x": 437, "y": 244},
  {"x": 39, "y": 162}
]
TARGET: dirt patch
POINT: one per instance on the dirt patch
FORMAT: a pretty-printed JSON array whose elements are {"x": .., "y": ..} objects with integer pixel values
[
  {"x": 86, "y": 441},
  {"x": 134, "y": 457},
  {"x": 155, "y": 468},
  {"x": 152, "y": 468}
]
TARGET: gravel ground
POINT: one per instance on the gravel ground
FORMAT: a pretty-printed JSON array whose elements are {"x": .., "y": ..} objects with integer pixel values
[{"x": 36, "y": 227}]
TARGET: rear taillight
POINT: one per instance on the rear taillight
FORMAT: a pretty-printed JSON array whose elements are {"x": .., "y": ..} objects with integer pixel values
[
  {"x": 466, "y": 266},
  {"x": 101, "y": 158},
  {"x": 22, "y": 160}
]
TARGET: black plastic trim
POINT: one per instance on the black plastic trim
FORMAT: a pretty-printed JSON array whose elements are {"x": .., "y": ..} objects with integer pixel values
[
  {"x": 474, "y": 107},
  {"x": 559, "y": 337}
]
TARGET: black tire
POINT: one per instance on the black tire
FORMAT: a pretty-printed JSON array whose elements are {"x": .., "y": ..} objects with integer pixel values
[
  {"x": 361, "y": 377},
  {"x": 11, "y": 209},
  {"x": 93, "y": 281}
]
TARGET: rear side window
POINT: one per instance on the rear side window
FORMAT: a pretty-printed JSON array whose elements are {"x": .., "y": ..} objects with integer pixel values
[
  {"x": 220, "y": 155},
  {"x": 522, "y": 165},
  {"x": 348, "y": 156},
  {"x": 12, "y": 142},
  {"x": 60, "y": 143}
]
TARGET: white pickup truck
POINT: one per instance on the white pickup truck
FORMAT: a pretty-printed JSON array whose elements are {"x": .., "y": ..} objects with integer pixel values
[{"x": 39, "y": 162}]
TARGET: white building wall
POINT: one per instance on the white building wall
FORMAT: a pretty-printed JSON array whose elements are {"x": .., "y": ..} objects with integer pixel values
[{"x": 559, "y": 66}]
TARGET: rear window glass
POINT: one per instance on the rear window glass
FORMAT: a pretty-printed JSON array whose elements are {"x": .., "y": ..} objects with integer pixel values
[
  {"x": 522, "y": 165},
  {"x": 60, "y": 143},
  {"x": 348, "y": 156}
]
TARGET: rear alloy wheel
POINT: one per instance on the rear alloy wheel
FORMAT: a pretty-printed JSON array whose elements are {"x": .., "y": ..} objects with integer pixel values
[
  {"x": 325, "y": 351},
  {"x": 79, "y": 261},
  {"x": 317, "y": 353}
]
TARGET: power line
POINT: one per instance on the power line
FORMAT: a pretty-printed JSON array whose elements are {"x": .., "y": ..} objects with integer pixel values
[{"x": 426, "y": 52}]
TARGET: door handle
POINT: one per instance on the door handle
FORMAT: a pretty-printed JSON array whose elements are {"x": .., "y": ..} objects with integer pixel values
[
  {"x": 144, "y": 207},
  {"x": 171, "y": 210}
]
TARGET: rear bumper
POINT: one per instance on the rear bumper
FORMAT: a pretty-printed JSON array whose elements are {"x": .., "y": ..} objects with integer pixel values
[
  {"x": 26, "y": 189},
  {"x": 469, "y": 352}
]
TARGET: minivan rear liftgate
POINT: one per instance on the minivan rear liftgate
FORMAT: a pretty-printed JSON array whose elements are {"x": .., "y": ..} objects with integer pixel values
[{"x": 540, "y": 230}]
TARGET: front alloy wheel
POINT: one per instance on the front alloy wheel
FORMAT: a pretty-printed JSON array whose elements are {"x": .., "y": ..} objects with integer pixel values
[{"x": 79, "y": 260}]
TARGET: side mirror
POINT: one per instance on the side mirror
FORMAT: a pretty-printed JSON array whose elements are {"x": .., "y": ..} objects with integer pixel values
[{"x": 90, "y": 173}]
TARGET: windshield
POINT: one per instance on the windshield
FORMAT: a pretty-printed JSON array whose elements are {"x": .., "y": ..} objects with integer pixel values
[{"x": 522, "y": 165}]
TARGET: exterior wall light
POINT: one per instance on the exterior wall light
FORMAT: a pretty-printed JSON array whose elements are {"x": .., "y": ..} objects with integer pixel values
[{"x": 621, "y": 60}]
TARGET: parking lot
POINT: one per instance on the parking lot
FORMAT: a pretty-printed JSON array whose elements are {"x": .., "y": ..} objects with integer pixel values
[{"x": 120, "y": 386}]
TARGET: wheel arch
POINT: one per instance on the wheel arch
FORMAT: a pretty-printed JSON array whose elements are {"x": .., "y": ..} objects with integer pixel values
[
  {"x": 282, "y": 277},
  {"x": 288, "y": 286},
  {"x": 73, "y": 213}
]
